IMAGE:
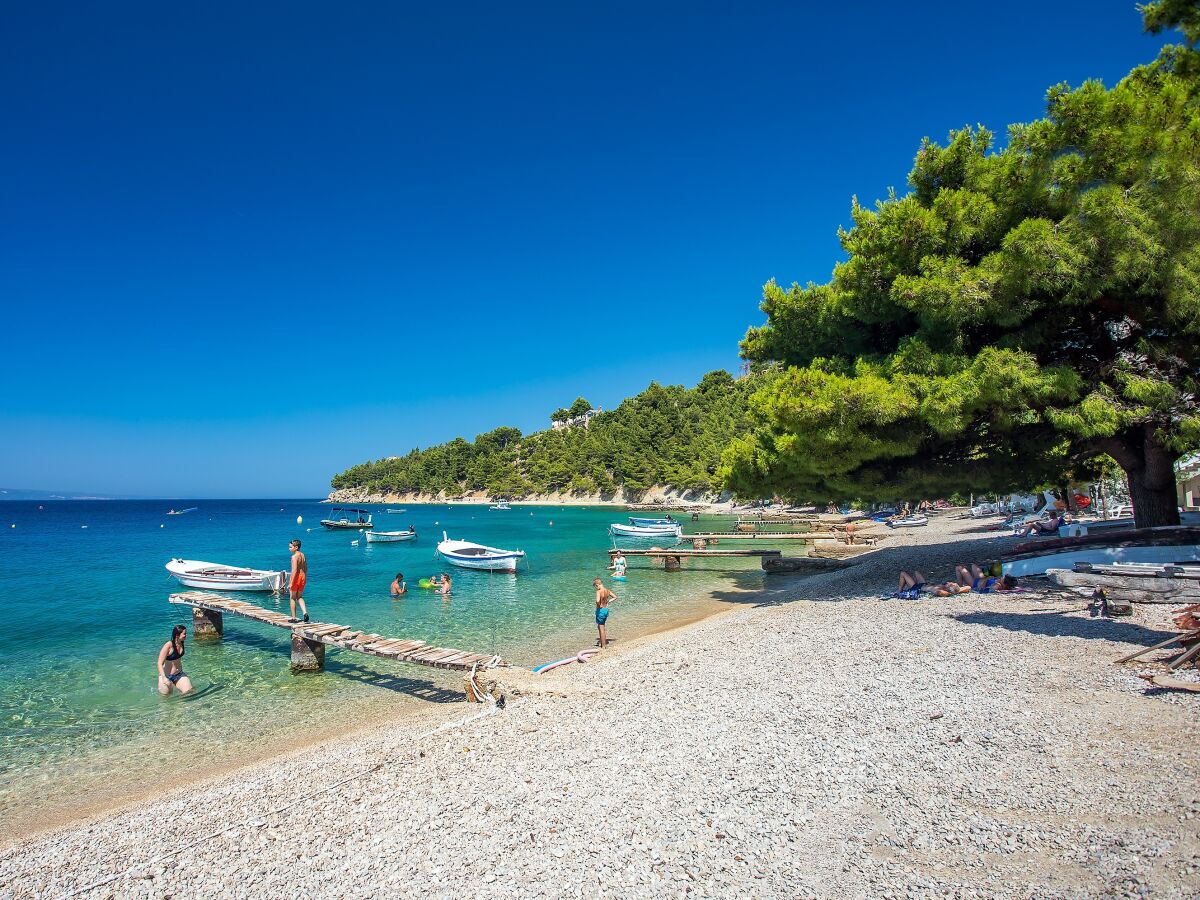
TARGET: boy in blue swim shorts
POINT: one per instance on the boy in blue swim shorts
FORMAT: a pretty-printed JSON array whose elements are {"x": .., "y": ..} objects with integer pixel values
[{"x": 603, "y": 597}]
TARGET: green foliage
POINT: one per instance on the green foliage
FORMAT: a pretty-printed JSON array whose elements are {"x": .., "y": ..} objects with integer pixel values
[
  {"x": 579, "y": 407},
  {"x": 560, "y": 415},
  {"x": 667, "y": 435},
  {"x": 1017, "y": 313}
]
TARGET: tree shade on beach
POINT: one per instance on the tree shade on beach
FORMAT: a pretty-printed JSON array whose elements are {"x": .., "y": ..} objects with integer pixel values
[
  {"x": 666, "y": 435},
  {"x": 1018, "y": 313}
]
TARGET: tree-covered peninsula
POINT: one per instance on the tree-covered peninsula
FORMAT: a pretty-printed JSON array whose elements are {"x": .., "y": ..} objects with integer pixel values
[{"x": 667, "y": 435}]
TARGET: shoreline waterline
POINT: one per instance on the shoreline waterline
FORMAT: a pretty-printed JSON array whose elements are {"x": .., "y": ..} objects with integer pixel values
[{"x": 279, "y": 748}]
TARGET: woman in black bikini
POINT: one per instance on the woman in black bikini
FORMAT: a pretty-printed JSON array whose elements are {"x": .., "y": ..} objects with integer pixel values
[{"x": 170, "y": 664}]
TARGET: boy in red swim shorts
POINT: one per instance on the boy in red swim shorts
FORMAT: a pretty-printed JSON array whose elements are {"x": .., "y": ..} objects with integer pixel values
[{"x": 297, "y": 581}]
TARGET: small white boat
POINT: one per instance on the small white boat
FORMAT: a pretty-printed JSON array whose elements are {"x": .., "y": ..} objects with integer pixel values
[
  {"x": 214, "y": 576},
  {"x": 667, "y": 529},
  {"x": 180, "y": 512},
  {"x": 396, "y": 512},
  {"x": 389, "y": 537},
  {"x": 909, "y": 522},
  {"x": 470, "y": 555},
  {"x": 349, "y": 518},
  {"x": 500, "y": 504}
]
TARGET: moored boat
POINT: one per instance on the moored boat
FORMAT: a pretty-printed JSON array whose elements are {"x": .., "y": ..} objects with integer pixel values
[
  {"x": 470, "y": 555},
  {"x": 1160, "y": 546},
  {"x": 349, "y": 518},
  {"x": 390, "y": 537},
  {"x": 908, "y": 522},
  {"x": 665, "y": 529},
  {"x": 214, "y": 576},
  {"x": 666, "y": 522},
  {"x": 500, "y": 504},
  {"x": 180, "y": 512}
]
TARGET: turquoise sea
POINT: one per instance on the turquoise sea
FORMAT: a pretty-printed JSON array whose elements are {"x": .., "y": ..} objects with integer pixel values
[{"x": 85, "y": 613}]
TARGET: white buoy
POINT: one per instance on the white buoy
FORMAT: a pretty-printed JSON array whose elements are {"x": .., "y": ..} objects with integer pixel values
[
  {"x": 299, "y": 520},
  {"x": 162, "y": 526}
]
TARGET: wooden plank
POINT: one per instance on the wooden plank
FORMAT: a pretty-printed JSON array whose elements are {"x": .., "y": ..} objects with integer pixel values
[
  {"x": 1177, "y": 684},
  {"x": 1184, "y": 658},
  {"x": 1135, "y": 654}
]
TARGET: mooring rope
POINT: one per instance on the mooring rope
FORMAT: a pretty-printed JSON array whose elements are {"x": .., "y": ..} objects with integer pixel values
[{"x": 445, "y": 726}]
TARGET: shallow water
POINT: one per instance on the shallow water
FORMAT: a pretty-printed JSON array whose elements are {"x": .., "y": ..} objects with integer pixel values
[{"x": 86, "y": 612}]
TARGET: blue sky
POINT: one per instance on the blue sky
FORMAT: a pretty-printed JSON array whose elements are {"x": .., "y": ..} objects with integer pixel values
[{"x": 243, "y": 246}]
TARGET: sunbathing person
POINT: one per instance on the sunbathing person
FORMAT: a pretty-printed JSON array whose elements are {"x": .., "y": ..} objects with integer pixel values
[
  {"x": 1042, "y": 526},
  {"x": 975, "y": 578},
  {"x": 915, "y": 581}
]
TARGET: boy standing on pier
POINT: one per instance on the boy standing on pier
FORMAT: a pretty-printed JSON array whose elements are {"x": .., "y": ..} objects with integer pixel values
[
  {"x": 297, "y": 581},
  {"x": 603, "y": 597}
]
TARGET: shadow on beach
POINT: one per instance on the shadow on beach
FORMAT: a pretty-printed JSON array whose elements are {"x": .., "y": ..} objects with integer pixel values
[{"x": 1055, "y": 623}]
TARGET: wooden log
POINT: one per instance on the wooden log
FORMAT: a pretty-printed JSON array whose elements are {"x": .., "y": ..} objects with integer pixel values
[
  {"x": 207, "y": 623},
  {"x": 307, "y": 655},
  {"x": 1176, "y": 684}
]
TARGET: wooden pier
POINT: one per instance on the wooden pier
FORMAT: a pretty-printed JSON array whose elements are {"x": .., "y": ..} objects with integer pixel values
[
  {"x": 309, "y": 639},
  {"x": 766, "y": 536},
  {"x": 672, "y": 558}
]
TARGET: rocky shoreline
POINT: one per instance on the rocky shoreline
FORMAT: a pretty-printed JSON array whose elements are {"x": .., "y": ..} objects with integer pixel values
[{"x": 813, "y": 741}]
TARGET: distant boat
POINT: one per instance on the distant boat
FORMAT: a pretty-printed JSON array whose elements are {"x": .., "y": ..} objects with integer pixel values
[
  {"x": 501, "y": 504},
  {"x": 389, "y": 537},
  {"x": 908, "y": 522},
  {"x": 1169, "y": 544},
  {"x": 663, "y": 529},
  {"x": 214, "y": 576},
  {"x": 180, "y": 512},
  {"x": 470, "y": 555},
  {"x": 396, "y": 512},
  {"x": 345, "y": 520}
]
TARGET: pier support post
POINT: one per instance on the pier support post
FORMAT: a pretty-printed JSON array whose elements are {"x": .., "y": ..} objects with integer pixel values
[
  {"x": 671, "y": 563},
  {"x": 207, "y": 623},
  {"x": 699, "y": 544},
  {"x": 307, "y": 655}
]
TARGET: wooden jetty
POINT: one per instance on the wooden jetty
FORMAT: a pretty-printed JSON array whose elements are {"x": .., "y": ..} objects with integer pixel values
[
  {"x": 309, "y": 639},
  {"x": 766, "y": 535},
  {"x": 672, "y": 558}
]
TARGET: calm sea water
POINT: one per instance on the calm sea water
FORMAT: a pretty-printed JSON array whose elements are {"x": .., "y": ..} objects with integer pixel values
[{"x": 86, "y": 611}]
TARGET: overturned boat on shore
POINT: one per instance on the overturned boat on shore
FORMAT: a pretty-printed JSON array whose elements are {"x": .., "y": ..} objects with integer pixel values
[{"x": 1171, "y": 544}]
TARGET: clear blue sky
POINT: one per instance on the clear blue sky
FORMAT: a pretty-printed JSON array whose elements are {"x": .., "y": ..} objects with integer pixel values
[{"x": 243, "y": 246}]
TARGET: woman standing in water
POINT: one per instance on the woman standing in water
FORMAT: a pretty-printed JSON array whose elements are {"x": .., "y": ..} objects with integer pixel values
[{"x": 170, "y": 664}]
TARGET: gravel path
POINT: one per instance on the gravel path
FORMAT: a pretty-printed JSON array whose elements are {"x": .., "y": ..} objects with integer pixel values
[{"x": 975, "y": 746}]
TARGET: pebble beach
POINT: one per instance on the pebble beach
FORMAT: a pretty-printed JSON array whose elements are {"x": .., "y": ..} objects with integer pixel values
[{"x": 814, "y": 740}]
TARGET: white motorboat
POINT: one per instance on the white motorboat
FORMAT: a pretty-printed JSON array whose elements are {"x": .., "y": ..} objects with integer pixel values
[
  {"x": 1168, "y": 545},
  {"x": 667, "y": 529},
  {"x": 345, "y": 517},
  {"x": 396, "y": 512},
  {"x": 214, "y": 576},
  {"x": 390, "y": 537},
  {"x": 500, "y": 504},
  {"x": 908, "y": 522},
  {"x": 470, "y": 555}
]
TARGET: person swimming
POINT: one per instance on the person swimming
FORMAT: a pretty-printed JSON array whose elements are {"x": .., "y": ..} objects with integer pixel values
[{"x": 170, "y": 664}]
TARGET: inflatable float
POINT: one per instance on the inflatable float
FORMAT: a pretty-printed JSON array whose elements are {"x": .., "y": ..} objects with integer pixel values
[{"x": 581, "y": 657}]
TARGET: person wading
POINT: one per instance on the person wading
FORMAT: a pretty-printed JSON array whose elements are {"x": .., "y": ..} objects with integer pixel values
[
  {"x": 603, "y": 597},
  {"x": 170, "y": 664}
]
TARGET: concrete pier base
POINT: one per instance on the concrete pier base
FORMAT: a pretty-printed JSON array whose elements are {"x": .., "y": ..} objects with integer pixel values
[
  {"x": 307, "y": 656},
  {"x": 207, "y": 623},
  {"x": 671, "y": 563}
]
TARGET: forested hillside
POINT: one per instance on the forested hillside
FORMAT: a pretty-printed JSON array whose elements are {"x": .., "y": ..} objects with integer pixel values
[{"x": 666, "y": 435}]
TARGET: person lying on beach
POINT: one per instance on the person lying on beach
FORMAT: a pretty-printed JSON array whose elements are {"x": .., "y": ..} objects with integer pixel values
[
  {"x": 974, "y": 578},
  {"x": 170, "y": 664},
  {"x": 1042, "y": 526},
  {"x": 398, "y": 586},
  {"x": 910, "y": 585}
]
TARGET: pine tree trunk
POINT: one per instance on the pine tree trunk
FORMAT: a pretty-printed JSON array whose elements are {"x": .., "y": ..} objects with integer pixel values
[{"x": 1150, "y": 468}]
